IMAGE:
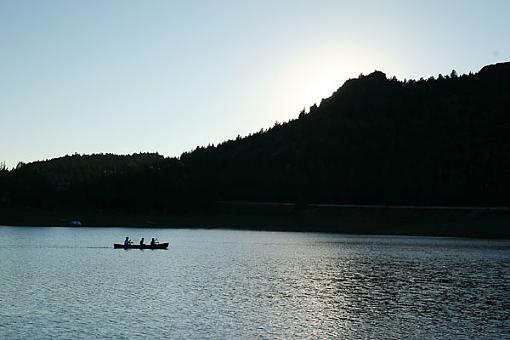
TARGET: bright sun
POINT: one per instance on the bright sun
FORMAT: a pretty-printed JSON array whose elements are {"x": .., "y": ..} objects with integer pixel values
[
  {"x": 319, "y": 87},
  {"x": 312, "y": 83},
  {"x": 315, "y": 74}
]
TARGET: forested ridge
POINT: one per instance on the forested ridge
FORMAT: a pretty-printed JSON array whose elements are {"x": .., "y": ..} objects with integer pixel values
[{"x": 439, "y": 141}]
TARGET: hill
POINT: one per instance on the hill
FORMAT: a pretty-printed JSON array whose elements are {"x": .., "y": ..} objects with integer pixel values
[{"x": 439, "y": 141}]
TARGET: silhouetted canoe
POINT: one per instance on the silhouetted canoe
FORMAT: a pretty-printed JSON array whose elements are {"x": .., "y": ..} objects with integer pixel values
[{"x": 137, "y": 246}]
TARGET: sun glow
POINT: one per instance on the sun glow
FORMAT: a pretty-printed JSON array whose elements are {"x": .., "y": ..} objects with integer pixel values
[
  {"x": 307, "y": 79},
  {"x": 321, "y": 86},
  {"x": 312, "y": 76}
]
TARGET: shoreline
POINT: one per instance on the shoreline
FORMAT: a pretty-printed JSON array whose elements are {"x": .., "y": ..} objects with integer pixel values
[
  {"x": 381, "y": 233},
  {"x": 359, "y": 221}
]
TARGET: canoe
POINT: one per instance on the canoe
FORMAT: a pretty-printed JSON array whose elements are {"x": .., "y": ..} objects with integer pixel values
[{"x": 137, "y": 246}]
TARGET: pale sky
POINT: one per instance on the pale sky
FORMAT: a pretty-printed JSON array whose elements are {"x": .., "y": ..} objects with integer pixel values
[{"x": 166, "y": 76}]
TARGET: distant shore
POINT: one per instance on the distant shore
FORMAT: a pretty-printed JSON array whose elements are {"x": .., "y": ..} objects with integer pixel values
[{"x": 474, "y": 223}]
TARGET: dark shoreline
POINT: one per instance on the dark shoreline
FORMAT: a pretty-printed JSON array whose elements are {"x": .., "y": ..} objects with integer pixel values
[{"x": 362, "y": 221}]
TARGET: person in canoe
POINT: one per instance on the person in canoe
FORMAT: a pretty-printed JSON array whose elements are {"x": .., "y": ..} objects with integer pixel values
[
  {"x": 127, "y": 241},
  {"x": 154, "y": 241},
  {"x": 141, "y": 241}
]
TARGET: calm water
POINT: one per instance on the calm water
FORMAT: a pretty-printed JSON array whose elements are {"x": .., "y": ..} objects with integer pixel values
[{"x": 71, "y": 283}]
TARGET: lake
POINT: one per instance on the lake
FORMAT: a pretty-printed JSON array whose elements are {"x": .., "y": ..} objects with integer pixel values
[{"x": 71, "y": 283}]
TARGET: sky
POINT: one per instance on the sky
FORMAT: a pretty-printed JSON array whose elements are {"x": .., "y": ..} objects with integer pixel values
[{"x": 127, "y": 76}]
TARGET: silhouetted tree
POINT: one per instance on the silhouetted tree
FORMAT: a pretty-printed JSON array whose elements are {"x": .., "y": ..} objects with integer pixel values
[{"x": 440, "y": 142}]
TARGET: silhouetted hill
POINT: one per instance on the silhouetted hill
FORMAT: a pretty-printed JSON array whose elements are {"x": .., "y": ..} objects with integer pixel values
[
  {"x": 119, "y": 182},
  {"x": 440, "y": 141},
  {"x": 378, "y": 140}
]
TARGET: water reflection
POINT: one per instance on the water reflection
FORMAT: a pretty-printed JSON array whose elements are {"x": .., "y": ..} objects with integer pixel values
[{"x": 226, "y": 284}]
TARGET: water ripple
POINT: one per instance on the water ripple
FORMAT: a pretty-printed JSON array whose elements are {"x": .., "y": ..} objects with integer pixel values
[{"x": 230, "y": 284}]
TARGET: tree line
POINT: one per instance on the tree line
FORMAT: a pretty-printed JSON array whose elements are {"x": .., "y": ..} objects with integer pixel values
[{"x": 436, "y": 141}]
